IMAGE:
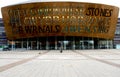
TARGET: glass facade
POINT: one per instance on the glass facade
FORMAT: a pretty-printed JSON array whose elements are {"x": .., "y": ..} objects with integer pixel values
[
  {"x": 3, "y": 40},
  {"x": 117, "y": 36},
  {"x": 69, "y": 43}
]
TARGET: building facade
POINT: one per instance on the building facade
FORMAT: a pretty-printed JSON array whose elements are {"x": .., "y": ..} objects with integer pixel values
[
  {"x": 3, "y": 39},
  {"x": 48, "y": 25},
  {"x": 117, "y": 35}
]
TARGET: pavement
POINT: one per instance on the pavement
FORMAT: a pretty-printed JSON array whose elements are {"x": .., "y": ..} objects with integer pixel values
[{"x": 69, "y": 63}]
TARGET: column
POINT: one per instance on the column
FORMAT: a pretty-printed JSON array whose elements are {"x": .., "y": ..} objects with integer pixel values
[
  {"x": 8, "y": 43},
  {"x": 27, "y": 44},
  {"x": 12, "y": 45},
  {"x": 112, "y": 44},
  {"x": 93, "y": 44},
  {"x": 88, "y": 41},
  {"x": 55, "y": 42},
  {"x": 47, "y": 44},
  {"x": 31, "y": 45},
  {"x": 40, "y": 46},
  {"x": 83, "y": 43},
  {"x": 37, "y": 43},
  {"x": 22, "y": 44},
  {"x": 106, "y": 44},
  {"x": 73, "y": 43},
  {"x": 64, "y": 43}
]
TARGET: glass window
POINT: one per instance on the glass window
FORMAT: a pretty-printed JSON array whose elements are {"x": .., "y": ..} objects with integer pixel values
[{"x": 117, "y": 31}]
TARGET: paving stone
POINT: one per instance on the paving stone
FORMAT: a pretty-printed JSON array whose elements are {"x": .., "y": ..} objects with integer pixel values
[{"x": 77, "y": 63}]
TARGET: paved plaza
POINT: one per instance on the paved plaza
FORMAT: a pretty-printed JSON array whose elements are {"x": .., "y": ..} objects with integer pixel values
[{"x": 52, "y": 63}]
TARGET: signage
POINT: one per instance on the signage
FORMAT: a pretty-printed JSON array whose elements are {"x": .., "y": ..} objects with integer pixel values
[{"x": 60, "y": 19}]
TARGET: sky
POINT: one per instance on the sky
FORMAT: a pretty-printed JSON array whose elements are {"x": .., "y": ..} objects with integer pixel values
[{"x": 108, "y": 2}]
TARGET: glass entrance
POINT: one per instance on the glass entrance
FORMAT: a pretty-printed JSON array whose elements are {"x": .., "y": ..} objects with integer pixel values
[{"x": 69, "y": 43}]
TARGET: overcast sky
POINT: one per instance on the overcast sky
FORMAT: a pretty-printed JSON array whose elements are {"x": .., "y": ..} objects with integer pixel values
[{"x": 108, "y": 2}]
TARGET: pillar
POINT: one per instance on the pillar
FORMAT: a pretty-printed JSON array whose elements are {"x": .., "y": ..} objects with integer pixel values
[
  {"x": 31, "y": 45},
  {"x": 37, "y": 43},
  {"x": 27, "y": 44},
  {"x": 56, "y": 43},
  {"x": 12, "y": 47},
  {"x": 73, "y": 43},
  {"x": 64, "y": 44},
  {"x": 22, "y": 44},
  {"x": 47, "y": 44}
]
